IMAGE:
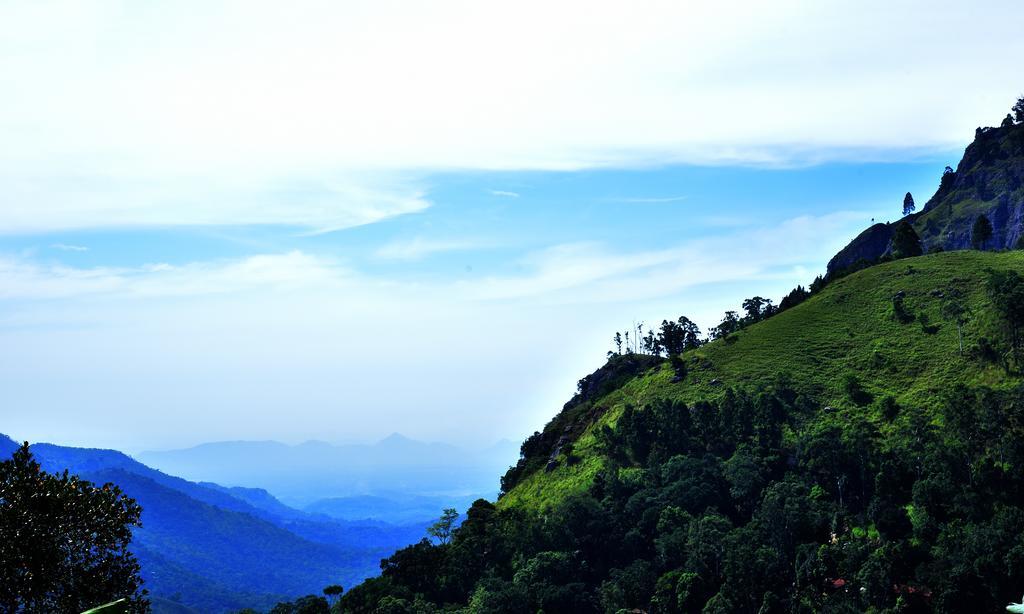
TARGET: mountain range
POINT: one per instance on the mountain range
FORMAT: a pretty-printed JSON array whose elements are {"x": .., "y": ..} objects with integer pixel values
[
  {"x": 216, "y": 549},
  {"x": 395, "y": 468}
]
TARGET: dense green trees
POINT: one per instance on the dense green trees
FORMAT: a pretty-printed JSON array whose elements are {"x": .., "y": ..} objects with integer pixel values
[
  {"x": 310, "y": 604},
  {"x": 677, "y": 337},
  {"x": 757, "y": 308},
  {"x": 1007, "y": 291},
  {"x": 796, "y": 296},
  {"x": 711, "y": 508},
  {"x": 64, "y": 541},
  {"x": 755, "y": 500}
]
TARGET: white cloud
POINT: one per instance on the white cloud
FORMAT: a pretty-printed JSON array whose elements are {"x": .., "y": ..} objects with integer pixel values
[
  {"x": 199, "y": 112},
  {"x": 504, "y": 193},
  {"x": 64, "y": 247}
]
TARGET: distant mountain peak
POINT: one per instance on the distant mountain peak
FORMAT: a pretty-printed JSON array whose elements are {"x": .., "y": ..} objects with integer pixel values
[{"x": 396, "y": 438}]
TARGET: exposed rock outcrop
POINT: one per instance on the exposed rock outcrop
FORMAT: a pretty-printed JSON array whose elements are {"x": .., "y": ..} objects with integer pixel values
[{"x": 989, "y": 181}]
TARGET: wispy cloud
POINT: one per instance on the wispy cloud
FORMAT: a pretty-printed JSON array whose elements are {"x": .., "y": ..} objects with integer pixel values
[
  {"x": 580, "y": 272},
  {"x": 26, "y": 280},
  {"x": 504, "y": 193},
  {"x": 64, "y": 247},
  {"x": 420, "y": 247},
  {"x": 593, "y": 273},
  {"x": 67, "y": 199}
]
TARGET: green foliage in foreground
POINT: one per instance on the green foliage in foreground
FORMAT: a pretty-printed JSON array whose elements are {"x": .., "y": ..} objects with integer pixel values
[
  {"x": 64, "y": 542},
  {"x": 842, "y": 455}
]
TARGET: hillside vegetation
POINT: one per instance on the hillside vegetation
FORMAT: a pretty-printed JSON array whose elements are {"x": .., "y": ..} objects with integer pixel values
[
  {"x": 857, "y": 448},
  {"x": 849, "y": 329},
  {"x": 841, "y": 455}
]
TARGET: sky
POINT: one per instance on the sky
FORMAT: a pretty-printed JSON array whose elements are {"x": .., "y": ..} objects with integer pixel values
[{"x": 337, "y": 220}]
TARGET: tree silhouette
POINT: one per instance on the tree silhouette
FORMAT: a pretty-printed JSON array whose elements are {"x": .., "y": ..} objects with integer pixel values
[
  {"x": 677, "y": 337},
  {"x": 905, "y": 242},
  {"x": 948, "y": 176},
  {"x": 442, "y": 529},
  {"x": 981, "y": 233},
  {"x": 333, "y": 592},
  {"x": 758, "y": 308},
  {"x": 908, "y": 204},
  {"x": 1018, "y": 110},
  {"x": 729, "y": 325},
  {"x": 64, "y": 541}
]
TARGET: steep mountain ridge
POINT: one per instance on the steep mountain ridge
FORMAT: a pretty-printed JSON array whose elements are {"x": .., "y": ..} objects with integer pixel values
[{"x": 989, "y": 180}]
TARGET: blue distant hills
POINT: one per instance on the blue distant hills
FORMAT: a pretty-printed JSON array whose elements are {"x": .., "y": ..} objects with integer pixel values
[
  {"x": 216, "y": 548},
  {"x": 392, "y": 477}
]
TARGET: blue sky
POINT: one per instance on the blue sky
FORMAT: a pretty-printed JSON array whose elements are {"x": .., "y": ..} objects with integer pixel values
[{"x": 431, "y": 217}]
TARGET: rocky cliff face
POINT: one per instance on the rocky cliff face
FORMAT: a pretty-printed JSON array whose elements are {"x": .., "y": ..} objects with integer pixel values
[{"x": 988, "y": 181}]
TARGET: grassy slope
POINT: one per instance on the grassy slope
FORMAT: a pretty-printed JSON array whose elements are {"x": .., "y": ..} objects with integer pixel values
[{"x": 848, "y": 327}]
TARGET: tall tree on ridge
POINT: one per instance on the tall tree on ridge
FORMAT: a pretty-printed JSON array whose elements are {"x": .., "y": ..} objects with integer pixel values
[{"x": 908, "y": 204}]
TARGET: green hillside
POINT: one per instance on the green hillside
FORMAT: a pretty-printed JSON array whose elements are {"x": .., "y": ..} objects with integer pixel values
[
  {"x": 839, "y": 455},
  {"x": 848, "y": 328}
]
